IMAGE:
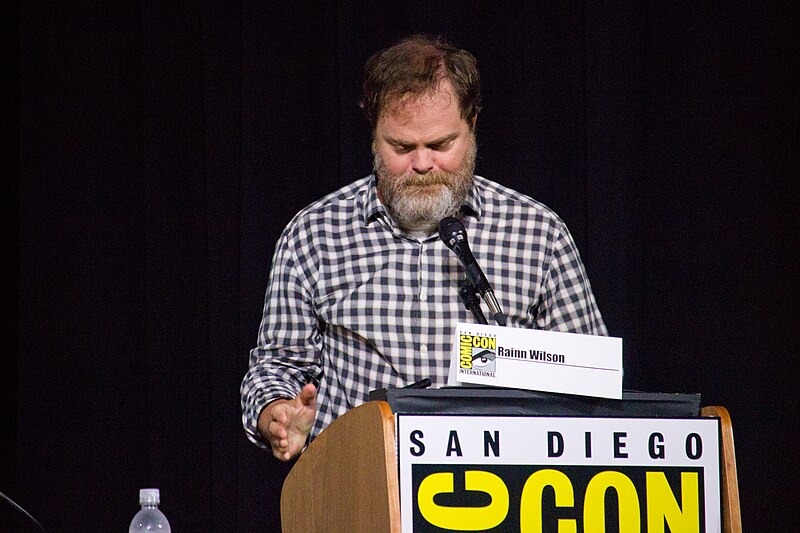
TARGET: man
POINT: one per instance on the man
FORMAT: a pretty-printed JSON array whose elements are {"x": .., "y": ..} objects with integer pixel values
[{"x": 363, "y": 294}]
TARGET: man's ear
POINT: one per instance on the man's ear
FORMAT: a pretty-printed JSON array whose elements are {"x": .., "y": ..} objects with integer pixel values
[{"x": 474, "y": 121}]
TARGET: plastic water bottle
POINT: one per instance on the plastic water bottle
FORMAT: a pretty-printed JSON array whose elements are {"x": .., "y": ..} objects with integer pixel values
[{"x": 150, "y": 518}]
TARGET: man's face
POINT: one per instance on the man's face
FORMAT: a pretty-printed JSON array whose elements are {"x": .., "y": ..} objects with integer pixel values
[{"x": 424, "y": 158}]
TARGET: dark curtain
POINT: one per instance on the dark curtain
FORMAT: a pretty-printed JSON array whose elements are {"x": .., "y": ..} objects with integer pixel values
[{"x": 162, "y": 147}]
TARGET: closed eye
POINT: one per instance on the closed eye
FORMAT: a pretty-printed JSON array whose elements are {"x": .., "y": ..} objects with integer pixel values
[
  {"x": 442, "y": 146},
  {"x": 402, "y": 148}
]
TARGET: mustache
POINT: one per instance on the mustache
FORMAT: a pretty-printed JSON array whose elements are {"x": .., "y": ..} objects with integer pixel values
[{"x": 432, "y": 178}]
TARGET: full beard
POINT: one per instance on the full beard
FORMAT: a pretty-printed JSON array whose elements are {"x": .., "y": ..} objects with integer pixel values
[{"x": 420, "y": 201}]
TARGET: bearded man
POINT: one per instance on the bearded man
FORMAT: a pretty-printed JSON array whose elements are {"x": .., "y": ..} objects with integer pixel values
[{"x": 364, "y": 295}]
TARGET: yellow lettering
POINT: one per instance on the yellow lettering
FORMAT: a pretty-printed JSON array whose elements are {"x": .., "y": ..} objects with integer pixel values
[
  {"x": 663, "y": 507},
  {"x": 465, "y": 353},
  {"x": 530, "y": 513},
  {"x": 484, "y": 342},
  {"x": 464, "y": 518},
  {"x": 594, "y": 505}
]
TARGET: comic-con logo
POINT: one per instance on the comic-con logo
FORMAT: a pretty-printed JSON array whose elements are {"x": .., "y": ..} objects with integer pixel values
[{"x": 478, "y": 352}]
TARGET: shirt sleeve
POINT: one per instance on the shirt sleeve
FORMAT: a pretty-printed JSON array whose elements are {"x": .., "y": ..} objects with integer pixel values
[
  {"x": 568, "y": 303},
  {"x": 289, "y": 341}
]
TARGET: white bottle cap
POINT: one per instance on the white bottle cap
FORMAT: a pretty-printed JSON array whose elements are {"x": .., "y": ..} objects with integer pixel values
[{"x": 149, "y": 496}]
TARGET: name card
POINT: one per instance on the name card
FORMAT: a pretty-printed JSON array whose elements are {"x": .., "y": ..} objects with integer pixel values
[{"x": 549, "y": 361}]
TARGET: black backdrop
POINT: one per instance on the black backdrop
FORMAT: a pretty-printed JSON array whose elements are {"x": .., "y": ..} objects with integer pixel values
[{"x": 164, "y": 145}]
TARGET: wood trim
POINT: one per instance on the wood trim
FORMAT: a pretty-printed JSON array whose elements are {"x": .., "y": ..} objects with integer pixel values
[{"x": 731, "y": 511}]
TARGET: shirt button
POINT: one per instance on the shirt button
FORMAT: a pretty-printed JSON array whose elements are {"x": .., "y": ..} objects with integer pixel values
[
  {"x": 423, "y": 296},
  {"x": 423, "y": 348}
]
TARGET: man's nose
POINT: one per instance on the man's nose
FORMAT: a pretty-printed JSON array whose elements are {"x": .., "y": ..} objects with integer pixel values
[{"x": 422, "y": 161}]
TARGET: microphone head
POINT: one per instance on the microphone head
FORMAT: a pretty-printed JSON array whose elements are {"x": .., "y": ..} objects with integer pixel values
[{"x": 453, "y": 233}]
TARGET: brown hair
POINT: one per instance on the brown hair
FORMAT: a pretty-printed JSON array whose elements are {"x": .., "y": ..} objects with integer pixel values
[{"x": 415, "y": 66}]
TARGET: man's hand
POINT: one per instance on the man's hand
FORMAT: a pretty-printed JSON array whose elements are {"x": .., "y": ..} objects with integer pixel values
[{"x": 285, "y": 424}]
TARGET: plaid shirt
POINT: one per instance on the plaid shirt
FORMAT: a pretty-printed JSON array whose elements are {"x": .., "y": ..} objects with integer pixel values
[{"x": 356, "y": 304}]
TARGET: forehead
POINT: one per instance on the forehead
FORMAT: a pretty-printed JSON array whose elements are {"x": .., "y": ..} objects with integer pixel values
[{"x": 417, "y": 116}]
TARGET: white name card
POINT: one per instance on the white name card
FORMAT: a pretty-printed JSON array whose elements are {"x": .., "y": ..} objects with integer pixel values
[{"x": 550, "y": 361}]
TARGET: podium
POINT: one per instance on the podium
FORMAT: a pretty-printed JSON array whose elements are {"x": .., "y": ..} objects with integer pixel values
[{"x": 347, "y": 479}]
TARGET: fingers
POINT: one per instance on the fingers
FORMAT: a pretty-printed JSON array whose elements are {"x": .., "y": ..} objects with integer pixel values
[
  {"x": 284, "y": 448},
  {"x": 281, "y": 452},
  {"x": 287, "y": 423},
  {"x": 273, "y": 426},
  {"x": 280, "y": 432},
  {"x": 279, "y": 440},
  {"x": 279, "y": 417}
]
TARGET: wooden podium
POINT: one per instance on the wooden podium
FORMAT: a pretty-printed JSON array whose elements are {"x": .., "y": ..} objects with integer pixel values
[{"x": 347, "y": 478}]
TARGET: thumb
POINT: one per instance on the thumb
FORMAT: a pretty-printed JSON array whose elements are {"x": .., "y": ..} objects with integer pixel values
[{"x": 308, "y": 396}]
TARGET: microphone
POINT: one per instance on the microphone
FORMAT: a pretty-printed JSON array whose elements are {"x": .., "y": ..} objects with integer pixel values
[
  {"x": 470, "y": 298},
  {"x": 454, "y": 236}
]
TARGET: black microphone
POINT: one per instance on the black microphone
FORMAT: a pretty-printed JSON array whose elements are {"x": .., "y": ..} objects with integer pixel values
[
  {"x": 471, "y": 301},
  {"x": 454, "y": 236}
]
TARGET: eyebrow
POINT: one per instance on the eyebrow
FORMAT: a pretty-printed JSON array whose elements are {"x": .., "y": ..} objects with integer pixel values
[{"x": 440, "y": 140}]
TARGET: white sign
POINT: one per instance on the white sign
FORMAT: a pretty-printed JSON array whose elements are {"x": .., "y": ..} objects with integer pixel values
[
  {"x": 515, "y": 473},
  {"x": 549, "y": 361}
]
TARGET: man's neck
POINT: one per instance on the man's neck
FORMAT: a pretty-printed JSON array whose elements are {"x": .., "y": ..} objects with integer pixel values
[{"x": 420, "y": 230}]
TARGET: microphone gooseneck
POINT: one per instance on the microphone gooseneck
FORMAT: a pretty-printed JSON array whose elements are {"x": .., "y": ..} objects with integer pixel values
[{"x": 454, "y": 235}]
